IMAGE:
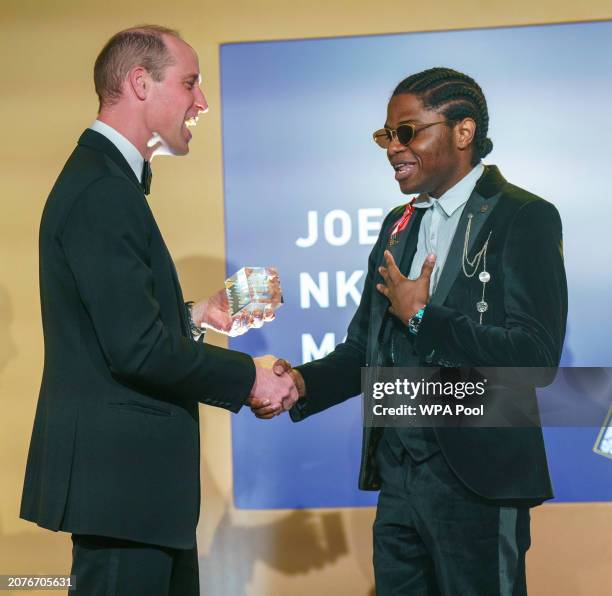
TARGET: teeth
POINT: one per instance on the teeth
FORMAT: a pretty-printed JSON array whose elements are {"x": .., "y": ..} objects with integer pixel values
[{"x": 191, "y": 121}]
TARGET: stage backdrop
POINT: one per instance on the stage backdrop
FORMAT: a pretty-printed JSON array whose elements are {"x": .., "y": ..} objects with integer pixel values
[{"x": 306, "y": 189}]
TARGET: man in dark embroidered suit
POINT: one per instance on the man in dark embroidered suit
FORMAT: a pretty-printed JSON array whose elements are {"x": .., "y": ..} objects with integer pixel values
[{"x": 453, "y": 510}]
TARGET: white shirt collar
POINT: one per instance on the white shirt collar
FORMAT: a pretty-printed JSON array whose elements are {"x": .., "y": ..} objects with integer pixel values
[
  {"x": 131, "y": 154},
  {"x": 457, "y": 195}
]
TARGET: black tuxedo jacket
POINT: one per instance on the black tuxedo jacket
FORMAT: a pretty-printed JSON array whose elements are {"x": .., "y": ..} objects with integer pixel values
[
  {"x": 115, "y": 444},
  {"x": 523, "y": 327}
]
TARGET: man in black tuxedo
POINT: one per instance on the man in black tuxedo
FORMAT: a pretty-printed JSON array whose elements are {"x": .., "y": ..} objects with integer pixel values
[
  {"x": 453, "y": 510},
  {"x": 114, "y": 457}
]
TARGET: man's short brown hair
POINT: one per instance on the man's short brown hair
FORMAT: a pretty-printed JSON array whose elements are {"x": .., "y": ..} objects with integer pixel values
[{"x": 138, "y": 46}]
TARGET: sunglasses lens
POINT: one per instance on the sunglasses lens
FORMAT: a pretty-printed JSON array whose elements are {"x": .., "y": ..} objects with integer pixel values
[
  {"x": 382, "y": 138},
  {"x": 405, "y": 133}
]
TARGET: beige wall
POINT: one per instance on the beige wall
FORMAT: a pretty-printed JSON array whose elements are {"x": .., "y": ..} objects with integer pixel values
[{"x": 47, "y": 49}]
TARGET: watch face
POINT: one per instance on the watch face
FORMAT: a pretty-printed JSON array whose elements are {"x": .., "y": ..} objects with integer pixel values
[{"x": 415, "y": 321}]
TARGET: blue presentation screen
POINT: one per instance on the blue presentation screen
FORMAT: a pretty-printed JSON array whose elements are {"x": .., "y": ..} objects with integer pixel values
[{"x": 306, "y": 190}]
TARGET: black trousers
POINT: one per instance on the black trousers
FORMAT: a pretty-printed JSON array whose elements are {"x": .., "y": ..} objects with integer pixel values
[
  {"x": 113, "y": 567},
  {"x": 432, "y": 536}
]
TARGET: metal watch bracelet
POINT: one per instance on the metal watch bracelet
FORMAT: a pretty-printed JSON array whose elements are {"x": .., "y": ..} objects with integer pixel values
[{"x": 196, "y": 332}]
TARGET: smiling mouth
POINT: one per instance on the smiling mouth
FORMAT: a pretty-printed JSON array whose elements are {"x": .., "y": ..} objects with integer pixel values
[
  {"x": 190, "y": 122},
  {"x": 404, "y": 169}
]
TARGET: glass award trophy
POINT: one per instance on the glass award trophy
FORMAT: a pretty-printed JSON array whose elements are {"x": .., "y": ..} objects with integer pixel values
[{"x": 254, "y": 294}]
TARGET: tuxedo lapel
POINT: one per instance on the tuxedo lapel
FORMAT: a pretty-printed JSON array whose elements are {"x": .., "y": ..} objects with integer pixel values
[
  {"x": 175, "y": 279},
  {"x": 481, "y": 203},
  {"x": 95, "y": 140}
]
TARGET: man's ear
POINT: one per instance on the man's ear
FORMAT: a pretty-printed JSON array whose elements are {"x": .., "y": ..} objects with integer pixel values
[
  {"x": 464, "y": 132},
  {"x": 139, "y": 81}
]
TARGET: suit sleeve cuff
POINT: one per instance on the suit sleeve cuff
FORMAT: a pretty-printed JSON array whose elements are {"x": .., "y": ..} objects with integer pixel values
[{"x": 433, "y": 331}]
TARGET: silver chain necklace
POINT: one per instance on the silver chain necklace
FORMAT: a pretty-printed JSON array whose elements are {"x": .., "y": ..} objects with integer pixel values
[{"x": 474, "y": 263}]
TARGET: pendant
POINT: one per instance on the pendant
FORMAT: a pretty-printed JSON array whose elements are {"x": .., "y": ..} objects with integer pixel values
[
  {"x": 482, "y": 306},
  {"x": 484, "y": 277}
]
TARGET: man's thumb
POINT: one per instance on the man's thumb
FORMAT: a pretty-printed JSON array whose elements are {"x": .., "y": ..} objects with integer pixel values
[{"x": 281, "y": 366}]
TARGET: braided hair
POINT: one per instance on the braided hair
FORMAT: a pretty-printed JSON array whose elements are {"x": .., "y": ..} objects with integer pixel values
[{"x": 456, "y": 96}]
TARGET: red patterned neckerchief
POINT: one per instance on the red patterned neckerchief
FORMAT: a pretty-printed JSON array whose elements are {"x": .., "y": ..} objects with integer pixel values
[{"x": 401, "y": 223}]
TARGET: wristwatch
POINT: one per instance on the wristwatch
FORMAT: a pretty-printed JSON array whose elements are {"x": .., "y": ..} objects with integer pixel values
[
  {"x": 414, "y": 322},
  {"x": 196, "y": 332}
]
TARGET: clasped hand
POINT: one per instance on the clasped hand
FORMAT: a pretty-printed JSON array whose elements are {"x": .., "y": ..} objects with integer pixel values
[{"x": 277, "y": 387}]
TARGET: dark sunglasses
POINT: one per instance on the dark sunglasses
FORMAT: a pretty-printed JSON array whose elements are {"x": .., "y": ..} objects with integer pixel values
[{"x": 404, "y": 133}]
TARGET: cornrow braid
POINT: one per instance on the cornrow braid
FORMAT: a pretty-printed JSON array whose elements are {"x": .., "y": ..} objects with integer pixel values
[{"x": 456, "y": 96}]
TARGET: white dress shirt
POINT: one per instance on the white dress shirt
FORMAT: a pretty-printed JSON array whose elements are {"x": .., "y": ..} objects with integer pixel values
[{"x": 131, "y": 154}]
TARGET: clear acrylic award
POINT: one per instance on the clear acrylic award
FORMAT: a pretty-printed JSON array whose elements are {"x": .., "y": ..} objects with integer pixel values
[{"x": 254, "y": 294}]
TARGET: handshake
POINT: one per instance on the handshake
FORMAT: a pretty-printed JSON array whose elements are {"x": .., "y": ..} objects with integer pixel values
[
  {"x": 277, "y": 385},
  {"x": 276, "y": 389}
]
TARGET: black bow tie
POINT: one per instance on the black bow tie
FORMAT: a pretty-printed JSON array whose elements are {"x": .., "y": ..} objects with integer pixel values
[{"x": 147, "y": 176}]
